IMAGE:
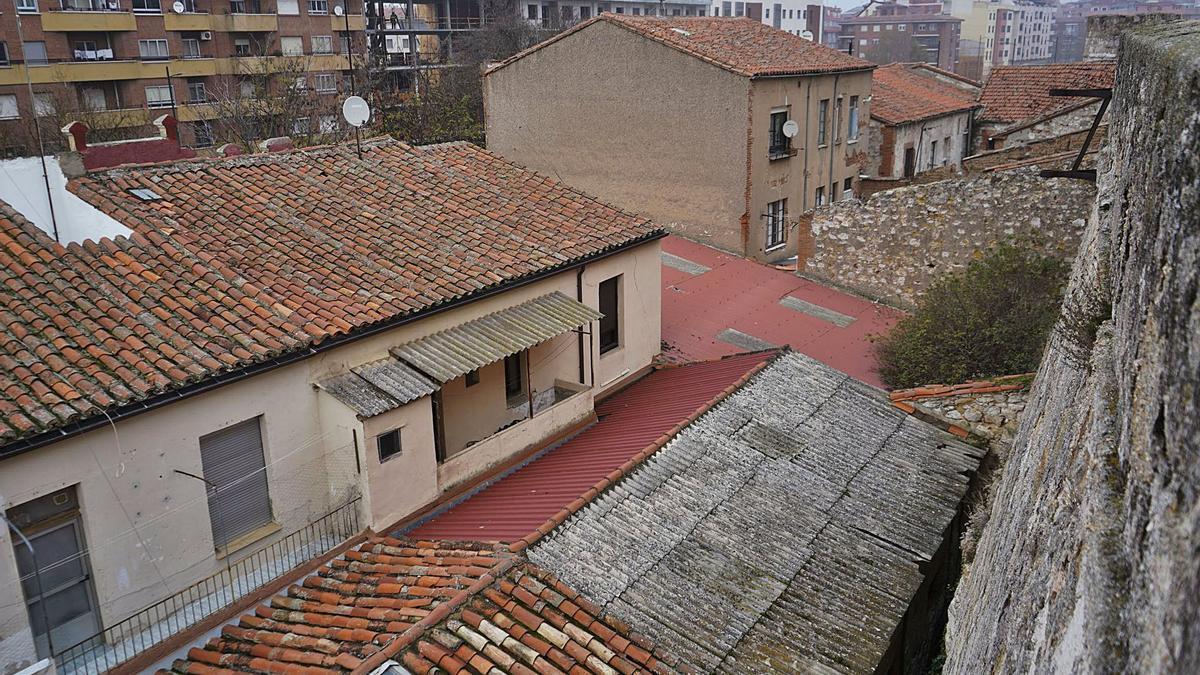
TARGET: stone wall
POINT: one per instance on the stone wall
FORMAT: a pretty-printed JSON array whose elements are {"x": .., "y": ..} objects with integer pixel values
[
  {"x": 1087, "y": 563},
  {"x": 893, "y": 245},
  {"x": 990, "y": 409},
  {"x": 1104, "y": 30},
  {"x": 1038, "y": 148}
]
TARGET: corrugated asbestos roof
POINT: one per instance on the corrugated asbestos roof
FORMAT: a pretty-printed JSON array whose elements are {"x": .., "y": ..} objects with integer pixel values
[
  {"x": 378, "y": 387},
  {"x": 786, "y": 530},
  {"x": 461, "y": 349},
  {"x": 630, "y": 421}
]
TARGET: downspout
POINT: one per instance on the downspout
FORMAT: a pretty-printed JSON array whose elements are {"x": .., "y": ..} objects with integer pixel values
[
  {"x": 807, "y": 141},
  {"x": 835, "y": 114},
  {"x": 745, "y": 222},
  {"x": 579, "y": 334}
]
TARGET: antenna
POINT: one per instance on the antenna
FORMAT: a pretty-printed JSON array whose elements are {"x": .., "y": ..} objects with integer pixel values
[
  {"x": 37, "y": 127},
  {"x": 356, "y": 112}
]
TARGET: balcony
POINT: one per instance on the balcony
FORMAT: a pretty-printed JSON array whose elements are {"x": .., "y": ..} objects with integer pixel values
[
  {"x": 190, "y": 21},
  {"x": 105, "y": 70},
  {"x": 248, "y": 23},
  {"x": 357, "y": 22},
  {"x": 88, "y": 20}
]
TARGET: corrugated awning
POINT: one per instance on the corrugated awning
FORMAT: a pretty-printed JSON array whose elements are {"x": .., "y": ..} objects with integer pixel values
[
  {"x": 378, "y": 387},
  {"x": 459, "y": 350}
]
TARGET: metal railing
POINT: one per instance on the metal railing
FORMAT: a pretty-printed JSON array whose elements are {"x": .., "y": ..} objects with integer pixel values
[{"x": 124, "y": 640}]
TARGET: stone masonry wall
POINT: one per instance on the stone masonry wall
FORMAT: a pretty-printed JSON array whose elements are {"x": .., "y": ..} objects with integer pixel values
[
  {"x": 1087, "y": 562},
  {"x": 893, "y": 245},
  {"x": 990, "y": 409}
]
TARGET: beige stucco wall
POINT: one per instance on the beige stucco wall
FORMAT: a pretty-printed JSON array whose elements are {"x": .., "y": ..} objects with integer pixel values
[
  {"x": 631, "y": 121},
  {"x": 919, "y": 136},
  {"x": 797, "y": 177},
  {"x": 148, "y": 528}
]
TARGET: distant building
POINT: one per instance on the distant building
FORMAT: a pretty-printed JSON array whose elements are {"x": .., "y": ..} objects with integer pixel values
[
  {"x": 1004, "y": 32},
  {"x": 1071, "y": 20},
  {"x": 723, "y": 129},
  {"x": 921, "y": 122},
  {"x": 1018, "y": 107},
  {"x": 900, "y": 34}
]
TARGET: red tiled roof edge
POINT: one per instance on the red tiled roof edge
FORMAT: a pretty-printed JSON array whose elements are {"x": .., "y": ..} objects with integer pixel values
[
  {"x": 633, "y": 462},
  {"x": 946, "y": 73},
  {"x": 992, "y": 386},
  {"x": 436, "y": 616}
]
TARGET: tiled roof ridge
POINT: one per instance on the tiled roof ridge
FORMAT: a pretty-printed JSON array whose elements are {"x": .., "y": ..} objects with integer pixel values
[
  {"x": 633, "y": 462},
  {"x": 984, "y": 386},
  {"x": 902, "y": 95},
  {"x": 921, "y": 65},
  {"x": 1018, "y": 93}
]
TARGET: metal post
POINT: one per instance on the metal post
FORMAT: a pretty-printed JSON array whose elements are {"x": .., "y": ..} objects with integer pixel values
[
  {"x": 171, "y": 88},
  {"x": 528, "y": 383},
  {"x": 37, "y": 575},
  {"x": 37, "y": 127}
]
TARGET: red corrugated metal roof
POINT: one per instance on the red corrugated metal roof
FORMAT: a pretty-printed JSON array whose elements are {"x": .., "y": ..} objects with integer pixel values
[
  {"x": 744, "y": 295},
  {"x": 631, "y": 420}
]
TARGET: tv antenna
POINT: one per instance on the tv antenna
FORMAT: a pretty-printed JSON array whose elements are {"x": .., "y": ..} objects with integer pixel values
[{"x": 356, "y": 112}]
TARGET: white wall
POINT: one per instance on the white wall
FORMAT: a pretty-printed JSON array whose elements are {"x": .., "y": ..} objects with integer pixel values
[
  {"x": 147, "y": 527},
  {"x": 920, "y": 135}
]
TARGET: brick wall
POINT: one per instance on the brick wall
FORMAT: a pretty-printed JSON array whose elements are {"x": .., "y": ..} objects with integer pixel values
[{"x": 893, "y": 245}]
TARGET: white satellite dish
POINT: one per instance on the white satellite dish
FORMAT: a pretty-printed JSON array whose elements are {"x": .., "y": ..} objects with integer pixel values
[
  {"x": 177, "y": 7},
  {"x": 807, "y": 35},
  {"x": 338, "y": 11},
  {"x": 790, "y": 128},
  {"x": 356, "y": 111}
]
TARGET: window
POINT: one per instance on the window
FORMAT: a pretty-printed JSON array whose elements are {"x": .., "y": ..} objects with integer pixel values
[
  {"x": 328, "y": 123},
  {"x": 780, "y": 144},
  {"x": 822, "y": 121},
  {"x": 300, "y": 83},
  {"x": 585, "y": 13},
  {"x": 58, "y": 589},
  {"x": 837, "y": 122},
  {"x": 610, "y": 307},
  {"x": 318, "y": 6},
  {"x": 191, "y": 48},
  {"x": 852, "y": 122},
  {"x": 388, "y": 444},
  {"x": 234, "y": 469},
  {"x": 152, "y": 50},
  {"x": 8, "y": 107},
  {"x": 514, "y": 382},
  {"x": 246, "y": 88},
  {"x": 27, "y": 5},
  {"x": 35, "y": 53},
  {"x": 326, "y": 83},
  {"x": 147, "y": 5},
  {"x": 531, "y": 12},
  {"x": 945, "y": 151},
  {"x": 241, "y": 47},
  {"x": 322, "y": 44},
  {"x": 196, "y": 92},
  {"x": 288, "y": 7},
  {"x": 472, "y": 378},
  {"x": 776, "y": 224},
  {"x": 291, "y": 46},
  {"x": 158, "y": 96},
  {"x": 933, "y": 153},
  {"x": 202, "y": 131},
  {"x": 3, "y": 53},
  {"x": 848, "y": 188},
  {"x": 93, "y": 98},
  {"x": 43, "y": 105},
  {"x": 821, "y": 195}
]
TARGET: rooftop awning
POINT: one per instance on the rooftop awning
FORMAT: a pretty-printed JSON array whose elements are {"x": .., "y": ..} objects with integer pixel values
[
  {"x": 378, "y": 387},
  {"x": 474, "y": 344}
]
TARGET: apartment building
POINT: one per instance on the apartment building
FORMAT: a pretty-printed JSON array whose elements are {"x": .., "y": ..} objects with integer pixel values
[
  {"x": 1071, "y": 25},
  {"x": 121, "y": 63},
  {"x": 735, "y": 131},
  {"x": 797, "y": 17},
  {"x": 280, "y": 337},
  {"x": 1003, "y": 32},
  {"x": 902, "y": 34}
]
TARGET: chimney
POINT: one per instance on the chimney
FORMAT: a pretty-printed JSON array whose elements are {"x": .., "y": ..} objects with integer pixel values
[
  {"x": 277, "y": 144},
  {"x": 76, "y": 135},
  {"x": 167, "y": 128},
  {"x": 229, "y": 150}
]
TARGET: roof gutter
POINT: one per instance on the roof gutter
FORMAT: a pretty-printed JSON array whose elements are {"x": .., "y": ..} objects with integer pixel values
[{"x": 209, "y": 384}]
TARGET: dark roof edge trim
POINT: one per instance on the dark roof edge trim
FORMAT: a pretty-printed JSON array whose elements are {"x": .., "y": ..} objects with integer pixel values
[
  {"x": 970, "y": 107},
  {"x": 208, "y": 384},
  {"x": 816, "y": 73}
]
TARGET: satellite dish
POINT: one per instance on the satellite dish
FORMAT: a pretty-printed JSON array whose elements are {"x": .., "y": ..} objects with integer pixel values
[
  {"x": 177, "y": 7},
  {"x": 356, "y": 111},
  {"x": 790, "y": 128},
  {"x": 807, "y": 35},
  {"x": 338, "y": 11}
]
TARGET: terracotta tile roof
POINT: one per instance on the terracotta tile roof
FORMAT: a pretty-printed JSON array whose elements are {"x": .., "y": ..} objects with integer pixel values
[
  {"x": 1016, "y": 93},
  {"x": 737, "y": 44},
  {"x": 788, "y": 529},
  {"x": 968, "y": 388},
  {"x": 459, "y": 607},
  {"x": 253, "y": 258},
  {"x": 900, "y": 94}
]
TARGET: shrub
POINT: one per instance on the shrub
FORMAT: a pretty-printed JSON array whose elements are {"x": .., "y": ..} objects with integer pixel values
[{"x": 991, "y": 318}]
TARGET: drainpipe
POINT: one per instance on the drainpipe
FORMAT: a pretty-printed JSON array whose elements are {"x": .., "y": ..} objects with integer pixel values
[
  {"x": 835, "y": 115},
  {"x": 579, "y": 297},
  {"x": 807, "y": 128}
]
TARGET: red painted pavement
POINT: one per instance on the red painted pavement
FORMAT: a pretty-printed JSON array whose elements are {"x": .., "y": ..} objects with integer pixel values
[
  {"x": 629, "y": 421},
  {"x": 744, "y": 295}
]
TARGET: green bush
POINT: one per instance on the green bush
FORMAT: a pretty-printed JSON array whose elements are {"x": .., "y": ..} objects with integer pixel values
[{"x": 991, "y": 318}]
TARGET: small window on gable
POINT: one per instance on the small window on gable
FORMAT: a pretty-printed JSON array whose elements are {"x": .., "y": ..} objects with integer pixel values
[
  {"x": 472, "y": 378},
  {"x": 389, "y": 444}
]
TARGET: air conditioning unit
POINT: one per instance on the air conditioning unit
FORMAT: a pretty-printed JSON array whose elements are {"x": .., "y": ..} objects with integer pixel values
[{"x": 206, "y": 35}]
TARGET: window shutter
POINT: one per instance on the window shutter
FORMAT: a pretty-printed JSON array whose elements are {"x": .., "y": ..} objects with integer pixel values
[{"x": 233, "y": 462}]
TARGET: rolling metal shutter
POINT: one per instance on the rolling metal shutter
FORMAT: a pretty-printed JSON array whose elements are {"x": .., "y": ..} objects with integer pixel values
[{"x": 233, "y": 463}]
